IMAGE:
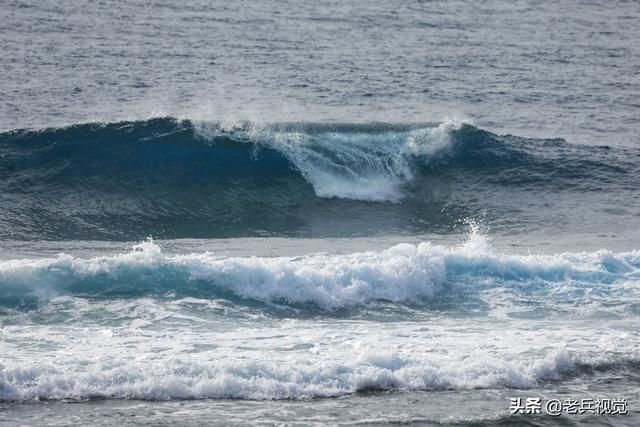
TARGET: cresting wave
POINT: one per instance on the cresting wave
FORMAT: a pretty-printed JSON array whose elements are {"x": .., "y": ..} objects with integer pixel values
[
  {"x": 171, "y": 179},
  {"x": 404, "y": 274},
  {"x": 349, "y": 161}
]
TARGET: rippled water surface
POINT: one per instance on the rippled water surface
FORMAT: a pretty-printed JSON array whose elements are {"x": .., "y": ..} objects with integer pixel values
[{"x": 318, "y": 212}]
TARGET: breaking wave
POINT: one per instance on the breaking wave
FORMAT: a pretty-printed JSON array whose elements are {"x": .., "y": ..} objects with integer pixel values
[
  {"x": 404, "y": 274},
  {"x": 298, "y": 376},
  {"x": 175, "y": 379},
  {"x": 170, "y": 178}
]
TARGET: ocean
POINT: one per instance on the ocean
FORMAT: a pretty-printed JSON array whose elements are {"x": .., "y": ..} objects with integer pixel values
[{"x": 319, "y": 213}]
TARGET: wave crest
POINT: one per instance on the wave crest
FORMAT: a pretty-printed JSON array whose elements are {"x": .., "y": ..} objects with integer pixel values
[
  {"x": 350, "y": 162},
  {"x": 404, "y": 274}
]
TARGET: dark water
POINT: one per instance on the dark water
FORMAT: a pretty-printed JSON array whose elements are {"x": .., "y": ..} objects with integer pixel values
[{"x": 318, "y": 212}]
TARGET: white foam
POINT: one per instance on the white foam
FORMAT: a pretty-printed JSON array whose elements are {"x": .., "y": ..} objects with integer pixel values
[
  {"x": 292, "y": 359},
  {"x": 168, "y": 348},
  {"x": 357, "y": 165},
  {"x": 286, "y": 377},
  {"x": 405, "y": 273}
]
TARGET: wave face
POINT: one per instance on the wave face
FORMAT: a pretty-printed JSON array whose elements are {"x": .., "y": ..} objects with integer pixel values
[{"x": 170, "y": 178}]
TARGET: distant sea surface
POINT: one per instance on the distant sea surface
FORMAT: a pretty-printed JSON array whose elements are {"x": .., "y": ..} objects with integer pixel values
[{"x": 318, "y": 212}]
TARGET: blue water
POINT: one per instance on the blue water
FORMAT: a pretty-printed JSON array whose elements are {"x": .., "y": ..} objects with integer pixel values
[
  {"x": 317, "y": 212},
  {"x": 179, "y": 179}
]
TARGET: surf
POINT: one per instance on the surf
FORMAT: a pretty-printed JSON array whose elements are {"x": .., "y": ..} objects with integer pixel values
[
  {"x": 418, "y": 275},
  {"x": 179, "y": 178}
]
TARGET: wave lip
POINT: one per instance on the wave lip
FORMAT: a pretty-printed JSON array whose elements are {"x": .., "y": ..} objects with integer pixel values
[{"x": 349, "y": 161}]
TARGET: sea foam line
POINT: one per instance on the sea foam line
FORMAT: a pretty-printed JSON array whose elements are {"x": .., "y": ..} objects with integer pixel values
[{"x": 292, "y": 378}]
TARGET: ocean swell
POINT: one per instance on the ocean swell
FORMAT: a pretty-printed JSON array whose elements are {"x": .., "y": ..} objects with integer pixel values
[{"x": 171, "y": 179}]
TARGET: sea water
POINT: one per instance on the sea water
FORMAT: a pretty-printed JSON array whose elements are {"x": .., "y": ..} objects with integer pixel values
[{"x": 318, "y": 212}]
